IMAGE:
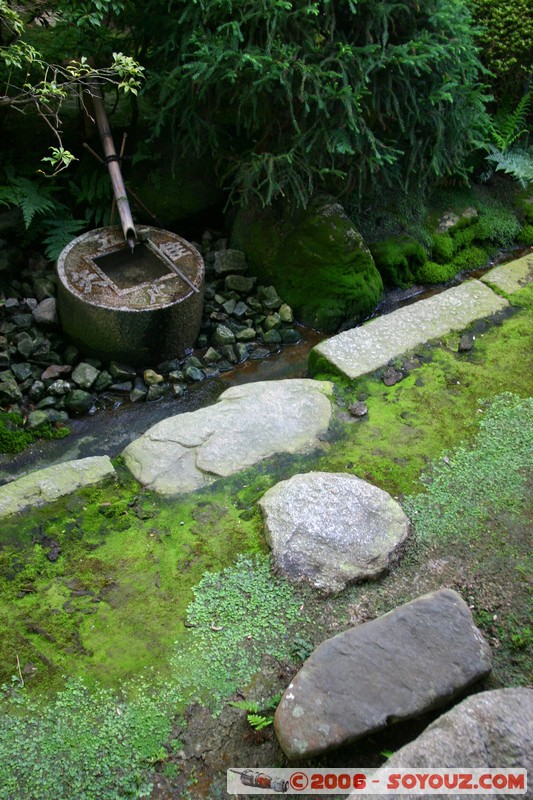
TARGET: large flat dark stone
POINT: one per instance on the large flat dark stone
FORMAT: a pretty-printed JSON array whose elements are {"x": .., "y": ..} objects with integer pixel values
[{"x": 409, "y": 661}]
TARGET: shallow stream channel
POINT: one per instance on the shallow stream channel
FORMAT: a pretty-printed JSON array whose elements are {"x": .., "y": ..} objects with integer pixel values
[{"x": 111, "y": 429}]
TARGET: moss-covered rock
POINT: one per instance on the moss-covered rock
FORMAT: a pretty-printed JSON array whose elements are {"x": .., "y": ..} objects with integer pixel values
[
  {"x": 467, "y": 259},
  {"x": 525, "y": 236},
  {"x": 471, "y": 258},
  {"x": 316, "y": 259},
  {"x": 443, "y": 248},
  {"x": 397, "y": 259},
  {"x": 431, "y": 272},
  {"x": 14, "y": 436}
]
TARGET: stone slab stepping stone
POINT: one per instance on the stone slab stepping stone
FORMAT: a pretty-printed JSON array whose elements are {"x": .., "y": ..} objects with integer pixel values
[
  {"x": 364, "y": 349},
  {"x": 247, "y": 424},
  {"x": 491, "y": 729},
  {"x": 409, "y": 661},
  {"x": 49, "y": 484},
  {"x": 512, "y": 276},
  {"x": 332, "y": 528}
]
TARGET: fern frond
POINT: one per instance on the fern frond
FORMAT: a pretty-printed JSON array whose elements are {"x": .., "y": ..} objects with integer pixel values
[
  {"x": 508, "y": 126},
  {"x": 246, "y": 705},
  {"x": 27, "y": 195},
  {"x": 259, "y": 722},
  {"x": 61, "y": 231},
  {"x": 93, "y": 193},
  {"x": 517, "y": 162}
]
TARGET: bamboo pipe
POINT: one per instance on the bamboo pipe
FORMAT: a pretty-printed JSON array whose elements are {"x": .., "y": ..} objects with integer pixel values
[
  {"x": 121, "y": 156},
  {"x": 113, "y": 165}
]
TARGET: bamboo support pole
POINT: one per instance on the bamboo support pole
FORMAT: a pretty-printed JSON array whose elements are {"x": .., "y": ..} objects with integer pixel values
[{"x": 113, "y": 165}]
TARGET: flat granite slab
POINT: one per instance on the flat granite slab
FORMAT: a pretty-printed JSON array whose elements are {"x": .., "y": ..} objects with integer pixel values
[
  {"x": 362, "y": 350},
  {"x": 49, "y": 484},
  {"x": 247, "y": 424},
  {"x": 512, "y": 276}
]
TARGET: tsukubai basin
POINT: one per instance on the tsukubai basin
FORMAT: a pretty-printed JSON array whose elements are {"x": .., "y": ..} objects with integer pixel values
[{"x": 140, "y": 307}]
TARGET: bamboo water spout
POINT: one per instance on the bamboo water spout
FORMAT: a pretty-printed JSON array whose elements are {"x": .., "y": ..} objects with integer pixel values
[{"x": 113, "y": 165}]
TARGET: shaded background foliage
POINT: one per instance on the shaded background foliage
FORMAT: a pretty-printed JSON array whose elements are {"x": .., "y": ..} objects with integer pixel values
[
  {"x": 292, "y": 96},
  {"x": 284, "y": 97},
  {"x": 505, "y": 36}
]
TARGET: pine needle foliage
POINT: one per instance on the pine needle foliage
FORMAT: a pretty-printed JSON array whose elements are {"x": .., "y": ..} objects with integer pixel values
[{"x": 294, "y": 95}]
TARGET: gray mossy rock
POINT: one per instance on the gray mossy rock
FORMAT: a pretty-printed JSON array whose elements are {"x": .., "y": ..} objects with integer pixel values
[
  {"x": 492, "y": 729},
  {"x": 49, "y": 484},
  {"x": 37, "y": 418},
  {"x": 316, "y": 259},
  {"x": 85, "y": 375},
  {"x": 449, "y": 219},
  {"x": 247, "y": 424},
  {"x": 9, "y": 391},
  {"x": 22, "y": 371},
  {"x": 239, "y": 283},
  {"x": 223, "y": 335},
  {"x": 79, "y": 401},
  {"x": 44, "y": 286},
  {"x": 330, "y": 528},
  {"x": 46, "y": 313},
  {"x": 401, "y": 665},
  {"x": 229, "y": 262}
]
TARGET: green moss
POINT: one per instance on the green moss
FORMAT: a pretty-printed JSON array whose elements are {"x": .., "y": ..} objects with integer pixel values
[
  {"x": 316, "y": 259},
  {"x": 480, "y": 480},
  {"x": 525, "y": 236},
  {"x": 497, "y": 223},
  {"x": 526, "y": 209},
  {"x": 87, "y": 742},
  {"x": 14, "y": 437},
  {"x": 442, "y": 248},
  {"x": 465, "y": 236},
  {"x": 431, "y": 272},
  {"x": 471, "y": 258},
  {"x": 124, "y": 575},
  {"x": 397, "y": 259},
  {"x": 94, "y": 742},
  {"x": 435, "y": 406},
  {"x": 236, "y": 616},
  {"x": 479, "y": 498},
  {"x": 132, "y": 570}
]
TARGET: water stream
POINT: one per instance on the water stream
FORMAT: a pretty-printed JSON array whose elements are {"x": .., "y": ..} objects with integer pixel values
[{"x": 109, "y": 430}]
